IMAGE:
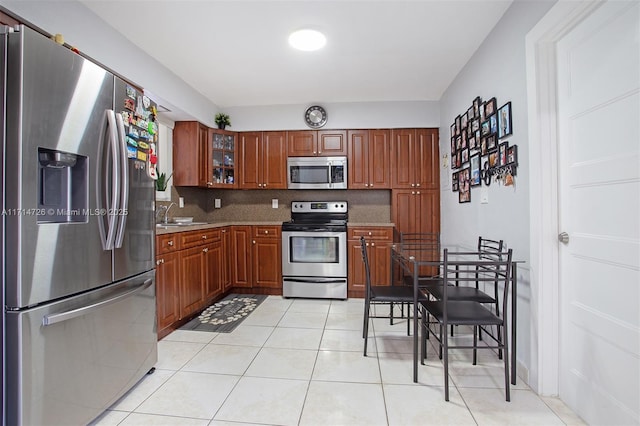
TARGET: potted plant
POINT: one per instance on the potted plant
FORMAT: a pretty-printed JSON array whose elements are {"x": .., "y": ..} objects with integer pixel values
[
  {"x": 162, "y": 181},
  {"x": 222, "y": 120}
]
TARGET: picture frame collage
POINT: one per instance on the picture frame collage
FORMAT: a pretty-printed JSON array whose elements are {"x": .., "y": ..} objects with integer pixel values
[{"x": 477, "y": 153}]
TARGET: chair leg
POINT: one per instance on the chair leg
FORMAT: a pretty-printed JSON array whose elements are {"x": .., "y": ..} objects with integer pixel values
[
  {"x": 423, "y": 338},
  {"x": 445, "y": 343},
  {"x": 476, "y": 330},
  {"x": 408, "y": 318},
  {"x": 506, "y": 364},
  {"x": 365, "y": 328},
  {"x": 391, "y": 313},
  {"x": 443, "y": 335},
  {"x": 499, "y": 334}
]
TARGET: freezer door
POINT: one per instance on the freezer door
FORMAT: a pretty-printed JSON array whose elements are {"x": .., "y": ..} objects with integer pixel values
[
  {"x": 135, "y": 240},
  {"x": 56, "y": 108},
  {"x": 71, "y": 360}
]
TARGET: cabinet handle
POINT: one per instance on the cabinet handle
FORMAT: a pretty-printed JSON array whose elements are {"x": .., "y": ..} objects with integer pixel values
[
  {"x": 418, "y": 193},
  {"x": 204, "y": 237},
  {"x": 418, "y": 185},
  {"x": 413, "y": 192},
  {"x": 264, "y": 185},
  {"x": 205, "y": 250},
  {"x": 369, "y": 232},
  {"x": 158, "y": 262},
  {"x": 266, "y": 232},
  {"x": 170, "y": 243},
  {"x": 259, "y": 185},
  {"x": 373, "y": 244},
  {"x": 314, "y": 153},
  {"x": 371, "y": 185},
  {"x": 413, "y": 185},
  {"x": 224, "y": 230},
  {"x": 254, "y": 241},
  {"x": 209, "y": 183},
  {"x": 367, "y": 244}
]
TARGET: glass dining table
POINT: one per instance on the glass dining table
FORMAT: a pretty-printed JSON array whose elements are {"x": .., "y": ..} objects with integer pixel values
[{"x": 424, "y": 260}]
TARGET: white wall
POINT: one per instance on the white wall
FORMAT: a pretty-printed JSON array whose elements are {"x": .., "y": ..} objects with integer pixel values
[
  {"x": 82, "y": 29},
  {"x": 346, "y": 115},
  {"x": 497, "y": 69}
]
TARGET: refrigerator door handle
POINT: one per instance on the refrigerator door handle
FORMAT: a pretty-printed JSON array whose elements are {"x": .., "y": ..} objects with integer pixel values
[
  {"x": 74, "y": 313},
  {"x": 115, "y": 179},
  {"x": 107, "y": 146},
  {"x": 121, "y": 210}
]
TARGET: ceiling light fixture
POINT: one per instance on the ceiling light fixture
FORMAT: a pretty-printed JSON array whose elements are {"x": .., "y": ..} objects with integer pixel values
[{"x": 307, "y": 40}]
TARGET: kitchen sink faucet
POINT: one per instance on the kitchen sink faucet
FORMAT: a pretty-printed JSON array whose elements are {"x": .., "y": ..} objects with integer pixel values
[{"x": 164, "y": 210}]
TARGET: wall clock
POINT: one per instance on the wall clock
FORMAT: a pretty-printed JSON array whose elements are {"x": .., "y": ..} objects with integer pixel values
[{"x": 315, "y": 116}]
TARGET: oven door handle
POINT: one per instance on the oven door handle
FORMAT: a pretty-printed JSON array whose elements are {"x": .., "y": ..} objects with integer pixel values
[{"x": 316, "y": 280}]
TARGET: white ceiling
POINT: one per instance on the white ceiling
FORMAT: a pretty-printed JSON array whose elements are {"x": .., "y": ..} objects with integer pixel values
[{"x": 236, "y": 53}]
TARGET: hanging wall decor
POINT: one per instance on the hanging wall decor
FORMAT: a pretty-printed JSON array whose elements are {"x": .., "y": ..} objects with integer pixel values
[{"x": 477, "y": 151}]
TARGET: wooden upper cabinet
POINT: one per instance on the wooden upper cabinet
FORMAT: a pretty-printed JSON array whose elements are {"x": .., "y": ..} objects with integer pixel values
[
  {"x": 302, "y": 143},
  {"x": 263, "y": 156},
  {"x": 332, "y": 143},
  {"x": 369, "y": 159},
  {"x": 250, "y": 151},
  {"x": 274, "y": 160},
  {"x": 414, "y": 158},
  {"x": 189, "y": 152},
  {"x": 317, "y": 143}
]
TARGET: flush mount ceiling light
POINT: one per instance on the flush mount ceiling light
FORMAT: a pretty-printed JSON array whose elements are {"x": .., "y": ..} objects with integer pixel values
[{"x": 307, "y": 40}]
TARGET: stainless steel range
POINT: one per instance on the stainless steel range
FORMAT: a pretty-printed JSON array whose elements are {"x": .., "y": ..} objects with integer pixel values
[{"x": 314, "y": 250}]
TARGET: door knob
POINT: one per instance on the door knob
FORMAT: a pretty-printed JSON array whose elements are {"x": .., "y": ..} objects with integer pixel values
[{"x": 563, "y": 237}]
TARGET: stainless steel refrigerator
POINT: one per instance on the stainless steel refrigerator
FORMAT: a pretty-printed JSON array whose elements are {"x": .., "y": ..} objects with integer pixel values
[{"x": 79, "y": 318}]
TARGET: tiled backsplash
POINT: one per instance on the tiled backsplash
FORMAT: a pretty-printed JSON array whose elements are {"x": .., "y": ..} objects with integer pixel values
[{"x": 370, "y": 206}]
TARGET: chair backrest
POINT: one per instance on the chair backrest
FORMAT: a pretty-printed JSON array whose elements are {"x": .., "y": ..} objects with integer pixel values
[
  {"x": 367, "y": 273},
  {"x": 489, "y": 249},
  {"x": 459, "y": 268}
]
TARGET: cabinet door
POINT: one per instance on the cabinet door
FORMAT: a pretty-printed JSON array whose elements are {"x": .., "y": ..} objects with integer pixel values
[
  {"x": 274, "y": 160},
  {"x": 167, "y": 290},
  {"x": 302, "y": 143},
  {"x": 355, "y": 270},
  {"x": 428, "y": 210},
  {"x": 267, "y": 263},
  {"x": 205, "y": 167},
  {"x": 358, "y": 159},
  {"x": 402, "y": 162},
  {"x": 403, "y": 210},
  {"x": 332, "y": 143},
  {"x": 379, "y": 153},
  {"x": 380, "y": 253},
  {"x": 187, "y": 153},
  {"x": 241, "y": 266},
  {"x": 191, "y": 281},
  {"x": 250, "y": 147},
  {"x": 212, "y": 254},
  {"x": 227, "y": 258},
  {"x": 426, "y": 155}
]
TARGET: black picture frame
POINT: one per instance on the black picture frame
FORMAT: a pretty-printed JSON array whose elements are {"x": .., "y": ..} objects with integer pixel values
[
  {"x": 458, "y": 124},
  {"x": 477, "y": 102},
  {"x": 455, "y": 185},
  {"x": 491, "y": 143},
  {"x": 502, "y": 154},
  {"x": 512, "y": 155},
  {"x": 453, "y": 129},
  {"x": 464, "y": 186},
  {"x": 490, "y": 107},
  {"x": 474, "y": 167},
  {"x": 505, "y": 127},
  {"x": 464, "y": 155},
  {"x": 471, "y": 113},
  {"x": 493, "y": 124},
  {"x": 453, "y": 146}
]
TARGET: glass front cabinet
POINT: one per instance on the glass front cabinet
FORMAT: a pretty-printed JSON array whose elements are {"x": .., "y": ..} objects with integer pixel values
[{"x": 221, "y": 159}]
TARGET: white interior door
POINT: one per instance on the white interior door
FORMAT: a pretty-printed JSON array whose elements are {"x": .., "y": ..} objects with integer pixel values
[{"x": 599, "y": 201}]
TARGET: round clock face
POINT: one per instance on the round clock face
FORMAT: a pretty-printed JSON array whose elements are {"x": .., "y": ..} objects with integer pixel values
[{"x": 315, "y": 116}]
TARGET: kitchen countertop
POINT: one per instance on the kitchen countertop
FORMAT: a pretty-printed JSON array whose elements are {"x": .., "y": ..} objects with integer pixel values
[{"x": 200, "y": 226}]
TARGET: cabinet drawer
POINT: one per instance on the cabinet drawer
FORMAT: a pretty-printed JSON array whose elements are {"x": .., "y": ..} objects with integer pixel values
[
  {"x": 266, "y": 231},
  {"x": 196, "y": 238},
  {"x": 167, "y": 243},
  {"x": 372, "y": 233}
]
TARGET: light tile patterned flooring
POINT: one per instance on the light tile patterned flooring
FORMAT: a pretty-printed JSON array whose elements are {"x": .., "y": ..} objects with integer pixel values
[{"x": 300, "y": 362}]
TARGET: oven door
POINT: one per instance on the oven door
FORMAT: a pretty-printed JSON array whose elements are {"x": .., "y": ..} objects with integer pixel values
[{"x": 314, "y": 254}]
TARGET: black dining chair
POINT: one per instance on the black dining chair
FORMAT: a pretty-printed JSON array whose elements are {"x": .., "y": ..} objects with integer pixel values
[
  {"x": 487, "y": 249},
  {"x": 380, "y": 295},
  {"x": 462, "y": 269}
]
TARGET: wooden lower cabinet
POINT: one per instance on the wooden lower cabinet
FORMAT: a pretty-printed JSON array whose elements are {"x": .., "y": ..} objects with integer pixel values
[
  {"x": 379, "y": 239},
  {"x": 267, "y": 255},
  {"x": 189, "y": 275},
  {"x": 226, "y": 258},
  {"x": 167, "y": 291},
  {"x": 241, "y": 256}
]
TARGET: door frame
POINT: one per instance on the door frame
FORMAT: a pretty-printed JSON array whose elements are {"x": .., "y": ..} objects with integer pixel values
[{"x": 541, "y": 43}]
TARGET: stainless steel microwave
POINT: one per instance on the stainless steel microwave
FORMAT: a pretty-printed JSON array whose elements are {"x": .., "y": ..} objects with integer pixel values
[{"x": 317, "y": 173}]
